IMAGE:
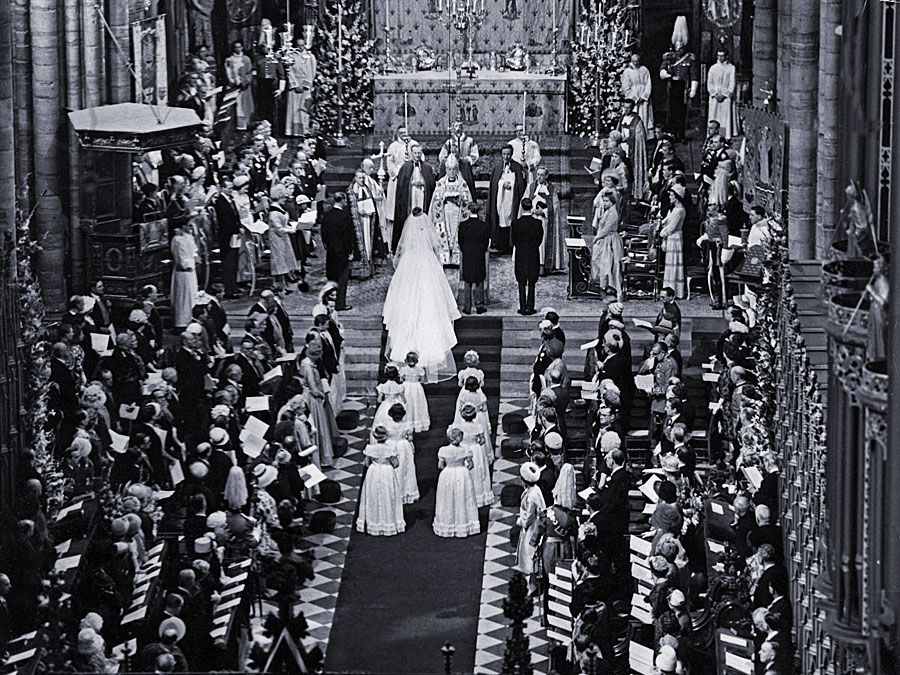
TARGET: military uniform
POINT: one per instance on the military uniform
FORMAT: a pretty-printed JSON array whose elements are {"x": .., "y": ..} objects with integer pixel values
[{"x": 682, "y": 69}]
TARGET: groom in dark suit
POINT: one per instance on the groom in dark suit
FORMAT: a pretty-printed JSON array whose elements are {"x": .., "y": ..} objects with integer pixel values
[
  {"x": 416, "y": 174},
  {"x": 474, "y": 239},
  {"x": 526, "y": 236},
  {"x": 341, "y": 245}
]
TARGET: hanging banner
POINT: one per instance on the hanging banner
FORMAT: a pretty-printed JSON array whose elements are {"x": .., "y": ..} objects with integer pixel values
[{"x": 148, "y": 51}]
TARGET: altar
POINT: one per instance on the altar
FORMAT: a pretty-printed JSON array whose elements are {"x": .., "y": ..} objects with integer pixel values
[{"x": 491, "y": 103}]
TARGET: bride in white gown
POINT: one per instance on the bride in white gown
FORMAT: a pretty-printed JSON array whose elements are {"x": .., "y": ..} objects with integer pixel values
[{"x": 420, "y": 308}]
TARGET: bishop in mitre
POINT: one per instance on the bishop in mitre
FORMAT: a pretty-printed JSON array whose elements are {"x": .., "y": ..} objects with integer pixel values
[
  {"x": 526, "y": 152},
  {"x": 465, "y": 149},
  {"x": 636, "y": 86},
  {"x": 449, "y": 207}
]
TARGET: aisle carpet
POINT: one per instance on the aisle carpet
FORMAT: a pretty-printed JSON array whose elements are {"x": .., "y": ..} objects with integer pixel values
[{"x": 401, "y": 598}]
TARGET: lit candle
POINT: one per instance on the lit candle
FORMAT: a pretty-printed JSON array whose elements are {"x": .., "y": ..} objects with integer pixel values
[
  {"x": 406, "y": 110},
  {"x": 440, "y": 5},
  {"x": 553, "y": 4},
  {"x": 524, "y": 103},
  {"x": 482, "y": 5}
]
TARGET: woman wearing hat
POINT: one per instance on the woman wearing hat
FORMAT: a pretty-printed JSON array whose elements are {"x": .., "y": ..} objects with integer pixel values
[
  {"x": 531, "y": 510},
  {"x": 671, "y": 233},
  {"x": 607, "y": 249},
  {"x": 380, "y": 500},
  {"x": 474, "y": 440},
  {"x": 320, "y": 411},
  {"x": 455, "y": 513},
  {"x": 266, "y": 510},
  {"x": 282, "y": 260}
]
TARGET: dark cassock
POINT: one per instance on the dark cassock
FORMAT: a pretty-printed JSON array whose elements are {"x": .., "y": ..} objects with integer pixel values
[
  {"x": 415, "y": 187},
  {"x": 504, "y": 197}
]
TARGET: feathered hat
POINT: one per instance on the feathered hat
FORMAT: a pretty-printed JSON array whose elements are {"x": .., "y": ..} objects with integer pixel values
[{"x": 680, "y": 32}]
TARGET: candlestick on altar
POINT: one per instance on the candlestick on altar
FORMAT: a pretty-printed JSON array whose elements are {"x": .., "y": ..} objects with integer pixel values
[
  {"x": 339, "y": 139},
  {"x": 406, "y": 110},
  {"x": 524, "y": 104},
  {"x": 387, "y": 14},
  {"x": 553, "y": 14}
]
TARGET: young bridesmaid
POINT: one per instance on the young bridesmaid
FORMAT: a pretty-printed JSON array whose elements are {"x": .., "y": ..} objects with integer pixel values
[
  {"x": 455, "y": 513},
  {"x": 412, "y": 375},
  {"x": 472, "y": 361},
  {"x": 380, "y": 503},
  {"x": 400, "y": 437},
  {"x": 473, "y": 439},
  {"x": 388, "y": 393},
  {"x": 472, "y": 393}
]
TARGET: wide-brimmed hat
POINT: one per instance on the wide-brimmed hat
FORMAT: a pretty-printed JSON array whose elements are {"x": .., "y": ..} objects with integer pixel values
[
  {"x": 266, "y": 474},
  {"x": 218, "y": 437},
  {"x": 379, "y": 433},
  {"x": 468, "y": 409},
  {"x": 173, "y": 623},
  {"x": 671, "y": 463},
  {"x": 530, "y": 472},
  {"x": 241, "y": 180}
]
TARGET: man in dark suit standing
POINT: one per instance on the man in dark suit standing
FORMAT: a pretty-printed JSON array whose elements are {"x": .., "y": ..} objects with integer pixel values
[
  {"x": 228, "y": 225},
  {"x": 474, "y": 239},
  {"x": 526, "y": 236},
  {"x": 341, "y": 245},
  {"x": 504, "y": 196},
  {"x": 616, "y": 366},
  {"x": 415, "y": 187}
]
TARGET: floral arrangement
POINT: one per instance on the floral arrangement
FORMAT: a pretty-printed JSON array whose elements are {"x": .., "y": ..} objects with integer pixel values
[
  {"x": 35, "y": 355},
  {"x": 357, "y": 63},
  {"x": 599, "y": 55}
]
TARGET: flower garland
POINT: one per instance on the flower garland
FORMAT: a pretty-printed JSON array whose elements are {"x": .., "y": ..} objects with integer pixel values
[
  {"x": 38, "y": 432},
  {"x": 357, "y": 62},
  {"x": 598, "y": 58}
]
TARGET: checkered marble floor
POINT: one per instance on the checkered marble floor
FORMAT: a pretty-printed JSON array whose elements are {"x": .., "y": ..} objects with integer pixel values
[
  {"x": 319, "y": 597},
  {"x": 499, "y": 565}
]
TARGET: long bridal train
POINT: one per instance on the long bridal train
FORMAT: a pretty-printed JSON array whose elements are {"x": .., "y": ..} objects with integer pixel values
[{"x": 420, "y": 307}]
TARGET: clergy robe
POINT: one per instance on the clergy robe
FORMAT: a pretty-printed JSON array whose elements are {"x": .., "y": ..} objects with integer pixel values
[
  {"x": 527, "y": 154},
  {"x": 364, "y": 224},
  {"x": 415, "y": 186},
  {"x": 466, "y": 151},
  {"x": 239, "y": 71},
  {"x": 396, "y": 154},
  {"x": 635, "y": 134},
  {"x": 636, "y": 85},
  {"x": 720, "y": 81},
  {"x": 503, "y": 203},
  {"x": 300, "y": 81},
  {"x": 449, "y": 206},
  {"x": 553, "y": 249}
]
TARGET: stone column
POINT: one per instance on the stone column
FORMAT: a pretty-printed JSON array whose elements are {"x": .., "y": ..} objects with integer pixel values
[
  {"x": 783, "y": 57},
  {"x": 49, "y": 223},
  {"x": 74, "y": 101},
  {"x": 7, "y": 136},
  {"x": 765, "y": 43},
  {"x": 828, "y": 190},
  {"x": 23, "y": 103},
  {"x": 801, "y": 118}
]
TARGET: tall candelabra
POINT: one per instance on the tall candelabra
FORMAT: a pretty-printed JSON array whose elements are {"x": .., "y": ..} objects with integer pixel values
[
  {"x": 466, "y": 16},
  {"x": 553, "y": 68}
]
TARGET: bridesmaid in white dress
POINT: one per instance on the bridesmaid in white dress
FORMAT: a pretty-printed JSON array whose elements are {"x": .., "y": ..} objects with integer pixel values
[
  {"x": 473, "y": 439},
  {"x": 472, "y": 361},
  {"x": 455, "y": 513},
  {"x": 400, "y": 436},
  {"x": 412, "y": 375},
  {"x": 472, "y": 394},
  {"x": 380, "y": 505},
  {"x": 388, "y": 393}
]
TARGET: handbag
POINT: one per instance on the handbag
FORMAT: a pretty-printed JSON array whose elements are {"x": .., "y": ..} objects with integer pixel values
[{"x": 366, "y": 207}]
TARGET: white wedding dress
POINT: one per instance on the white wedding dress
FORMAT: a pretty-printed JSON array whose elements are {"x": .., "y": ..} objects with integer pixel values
[{"x": 420, "y": 308}]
